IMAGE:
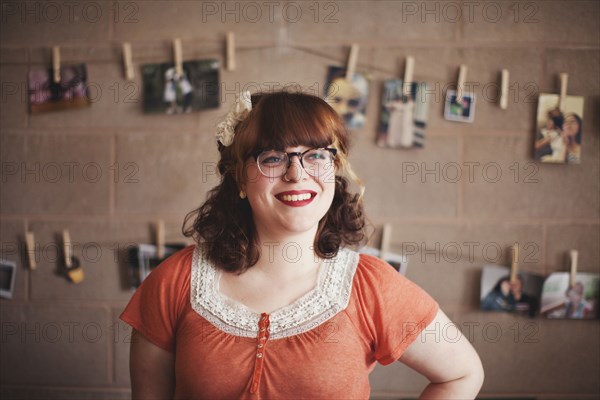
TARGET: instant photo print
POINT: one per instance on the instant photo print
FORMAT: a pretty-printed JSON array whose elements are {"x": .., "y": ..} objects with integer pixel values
[
  {"x": 8, "y": 270},
  {"x": 403, "y": 117},
  {"x": 562, "y": 299},
  {"x": 462, "y": 110},
  {"x": 497, "y": 291},
  {"x": 347, "y": 97},
  {"x": 165, "y": 92},
  {"x": 143, "y": 258},
  {"x": 559, "y": 132},
  {"x": 46, "y": 95}
]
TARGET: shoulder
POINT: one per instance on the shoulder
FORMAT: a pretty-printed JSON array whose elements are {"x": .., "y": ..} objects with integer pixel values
[
  {"x": 374, "y": 271},
  {"x": 377, "y": 281},
  {"x": 175, "y": 268}
]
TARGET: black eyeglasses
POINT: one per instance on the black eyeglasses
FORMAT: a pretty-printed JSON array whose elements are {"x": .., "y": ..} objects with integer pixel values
[{"x": 316, "y": 162}]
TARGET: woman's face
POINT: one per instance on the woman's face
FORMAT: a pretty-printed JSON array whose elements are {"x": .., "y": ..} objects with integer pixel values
[
  {"x": 291, "y": 204},
  {"x": 570, "y": 126}
]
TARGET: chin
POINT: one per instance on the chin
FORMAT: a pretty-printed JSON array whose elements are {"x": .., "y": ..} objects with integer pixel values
[{"x": 300, "y": 225}]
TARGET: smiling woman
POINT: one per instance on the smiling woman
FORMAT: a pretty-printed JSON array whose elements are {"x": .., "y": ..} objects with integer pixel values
[
  {"x": 272, "y": 302},
  {"x": 227, "y": 223}
]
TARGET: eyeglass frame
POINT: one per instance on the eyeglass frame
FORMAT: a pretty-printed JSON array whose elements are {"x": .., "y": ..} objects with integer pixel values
[{"x": 290, "y": 155}]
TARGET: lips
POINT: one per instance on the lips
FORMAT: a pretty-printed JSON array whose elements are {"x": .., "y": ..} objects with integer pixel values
[{"x": 296, "y": 198}]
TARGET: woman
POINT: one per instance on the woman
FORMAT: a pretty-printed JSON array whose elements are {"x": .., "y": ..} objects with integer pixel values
[
  {"x": 271, "y": 303},
  {"x": 500, "y": 298},
  {"x": 572, "y": 131}
]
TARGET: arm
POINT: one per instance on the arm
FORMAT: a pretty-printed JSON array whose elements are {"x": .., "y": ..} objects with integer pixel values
[
  {"x": 445, "y": 357},
  {"x": 541, "y": 143},
  {"x": 152, "y": 370}
]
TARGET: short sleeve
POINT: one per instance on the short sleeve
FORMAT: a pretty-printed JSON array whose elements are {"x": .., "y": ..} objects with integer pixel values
[
  {"x": 394, "y": 309},
  {"x": 156, "y": 305}
]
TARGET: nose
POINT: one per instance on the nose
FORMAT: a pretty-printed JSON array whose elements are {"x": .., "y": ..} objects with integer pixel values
[{"x": 294, "y": 171}]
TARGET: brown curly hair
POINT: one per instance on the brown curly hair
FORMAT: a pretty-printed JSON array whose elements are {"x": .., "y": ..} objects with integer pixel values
[{"x": 224, "y": 223}]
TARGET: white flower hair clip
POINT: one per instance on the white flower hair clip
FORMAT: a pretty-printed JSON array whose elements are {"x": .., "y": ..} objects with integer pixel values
[{"x": 239, "y": 112}]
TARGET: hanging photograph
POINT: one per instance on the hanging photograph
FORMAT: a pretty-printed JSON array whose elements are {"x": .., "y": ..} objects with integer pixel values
[
  {"x": 462, "y": 110},
  {"x": 46, "y": 95},
  {"x": 559, "y": 132},
  {"x": 8, "y": 270},
  {"x": 561, "y": 299},
  {"x": 143, "y": 258},
  {"x": 347, "y": 98},
  {"x": 403, "y": 117},
  {"x": 165, "y": 92},
  {"x": 498, "y": 293}
]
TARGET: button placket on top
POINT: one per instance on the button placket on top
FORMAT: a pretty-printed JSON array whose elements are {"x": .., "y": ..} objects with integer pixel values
[{"x": 261, "y": 346}]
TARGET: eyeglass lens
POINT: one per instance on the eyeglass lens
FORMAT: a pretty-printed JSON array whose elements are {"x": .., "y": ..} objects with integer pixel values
[{"x": 274, "y": 163}]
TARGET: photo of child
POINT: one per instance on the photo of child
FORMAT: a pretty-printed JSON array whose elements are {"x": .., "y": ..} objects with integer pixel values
[{"x": 560, "y": 299}]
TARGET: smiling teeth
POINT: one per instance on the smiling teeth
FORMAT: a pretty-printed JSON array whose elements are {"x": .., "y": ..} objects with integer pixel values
[{"x": 296, "y": 197}]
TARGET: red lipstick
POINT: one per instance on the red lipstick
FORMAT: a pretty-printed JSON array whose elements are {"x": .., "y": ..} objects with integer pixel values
[{"x": 296, "y": 198}]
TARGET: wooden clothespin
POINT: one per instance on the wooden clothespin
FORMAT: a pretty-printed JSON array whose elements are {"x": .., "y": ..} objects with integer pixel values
[
  {"x": 30, "y": 248},
  {"x": 160, "y": 238},
  {"x": 564, "y": 80},
  {"x": 352, "y": 60},
  {"x": 460, "y": 85},
  {"x": 409, "y": 69},
  {"x": 56, "y": 63},
  {"x": 230, "y": 51},
  {"x": 127, "y": 61},
  {"x": 67, "y": 250},
  {"x": 72, "y": 264},
  {"x": 504, "y": 89},
  {"x": 573, "y": 273},
  {"x": 514, "y": 267},
  {"x": 386, "y": 234},
  {"x": 178, "y": 53}
]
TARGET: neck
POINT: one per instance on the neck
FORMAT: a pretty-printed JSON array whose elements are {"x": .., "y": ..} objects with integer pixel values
[{"x": 287, "y": 255}]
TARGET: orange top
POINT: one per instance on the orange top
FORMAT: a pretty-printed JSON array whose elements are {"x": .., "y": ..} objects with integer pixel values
[{"x": 324, "y": 345}]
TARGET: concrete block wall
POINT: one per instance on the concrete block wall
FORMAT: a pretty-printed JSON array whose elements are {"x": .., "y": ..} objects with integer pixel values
[{"x": 61, "y": 340}]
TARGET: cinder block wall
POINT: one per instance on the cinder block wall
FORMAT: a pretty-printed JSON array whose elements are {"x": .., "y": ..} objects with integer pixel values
[{"x": 61, "y": 340}]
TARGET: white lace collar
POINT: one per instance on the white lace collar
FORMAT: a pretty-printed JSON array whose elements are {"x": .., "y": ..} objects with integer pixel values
[{"x": 330, "y": 296}]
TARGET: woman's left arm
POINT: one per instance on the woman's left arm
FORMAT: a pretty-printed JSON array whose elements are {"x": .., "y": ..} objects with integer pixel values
[{"x": 450, "y": 363}]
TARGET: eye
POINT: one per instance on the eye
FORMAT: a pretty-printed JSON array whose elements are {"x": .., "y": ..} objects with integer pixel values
[
  {"x": 271, "y": 158},
  {"x": 317, "y": 155}
]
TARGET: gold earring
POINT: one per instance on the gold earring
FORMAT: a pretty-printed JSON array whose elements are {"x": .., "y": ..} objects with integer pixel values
[{"x": 242, "y": 194}]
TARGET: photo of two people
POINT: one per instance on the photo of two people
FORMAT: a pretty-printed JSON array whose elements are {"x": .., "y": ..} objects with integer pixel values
[{"x": 559, "y": 132}]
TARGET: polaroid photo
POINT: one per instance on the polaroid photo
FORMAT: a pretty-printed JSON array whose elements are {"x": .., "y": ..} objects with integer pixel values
[
  {"x": 8, "y": 272},
  {"x": 46, "y": 95},
  {"x": 347, "y": 97},
  {"x": 460, "y": 111},
  {"x": 559, "y": 132},
  {"x": 403, "y": 117},
  {"x": 561, "y": 299},
  {"x": 165, "y": 92},
  {"x": 143, "y": 258},
  {"x": 498, "y": 293}
]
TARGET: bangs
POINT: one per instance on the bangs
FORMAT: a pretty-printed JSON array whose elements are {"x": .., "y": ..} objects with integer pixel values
[{"x": 289, "y": 120}]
